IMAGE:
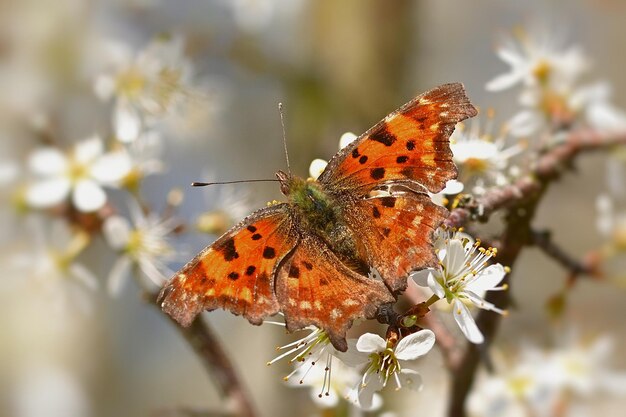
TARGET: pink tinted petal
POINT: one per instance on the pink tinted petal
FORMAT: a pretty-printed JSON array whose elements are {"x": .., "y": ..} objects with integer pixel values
[
  {"x": 415, "y": 345},
  {"x": 48, "y": 193},
  {"x": 88, "y": 196},
  {"x": 466, "y": 322}
]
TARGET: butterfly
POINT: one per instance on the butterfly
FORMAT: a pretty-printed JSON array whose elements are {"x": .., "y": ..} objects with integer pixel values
[{"x": 314, "y": 257}]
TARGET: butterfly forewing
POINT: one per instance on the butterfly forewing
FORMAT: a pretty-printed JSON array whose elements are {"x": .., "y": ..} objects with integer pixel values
[
  {"x": 397, "y": 233},
  {"x": 314, "y": 288},
  {"x": 236, "y": 272},
  {"x": 411, "y": 143}
]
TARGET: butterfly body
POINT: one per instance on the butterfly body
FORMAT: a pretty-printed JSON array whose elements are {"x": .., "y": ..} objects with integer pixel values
[
  {"x": 321, "y": 213},
  {"x": 313, "y": 257}
]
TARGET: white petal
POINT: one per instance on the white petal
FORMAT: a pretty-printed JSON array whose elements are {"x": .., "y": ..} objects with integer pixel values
[
  {"x": 47, "y": 161},
  {"x": 84, "y": 275},
  {"x": 488, "y": 278},
  {"x": 415, "y": 345},
  {"x": 421, "y": 277},
  {"x": 88, "y": 196},
  {"x": 352, "y": 357},
  {"x": 436, "y": 287},
  {"x": 411, "y": 379},
  {"x": 116, "y": 231},
  {"x": 370, "y": 342},
  {"x": 317, "y": 167},
  {"x": 454, "y": 262},
  {"x": 117, "y": 276},
  {"x": 453, "y": 187},
  {"x": 346, "y": 139},
  {"x": 150, "y": 270},
  {"x": 466, "y": 322},
  {"x": 480, "y": 303},
  {"x": 525, "y": 123},
  {"x": 366, "y": 393},
  {"x": 48, "y": 193},
  {"x": 325, "y": 401},
  {"x": 111, "y": 168},
  {"x": 504, "y": 81},
  {"x": 88, "y": 150},
  {"x": 104, "y": 87},
  {"x": 127, "y": 123}
]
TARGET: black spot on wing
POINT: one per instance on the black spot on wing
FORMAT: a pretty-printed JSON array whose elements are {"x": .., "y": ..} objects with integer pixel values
[
  {"x": 378, "y": 173},
  {"x": 228, "y": 249},
  {"x": 307, "y": 265},
  {"x": 256, "y": 236},
  {"x": 251, "y": 229},
  {"x": 250, "y": 270},
  {"x": 363, "y": 159},
  {"x": 376, "y": 212},
  {"x": 233, "y": 275},
  {"x": 410, "y": 145},
  {"x": 355, "y": 153},
  {"x": 383, "y": 136},
  {"x": 294, "y": 271},
  {"x": 402, "y": 159},
  {"x": 388, "y": 201},
  {"x": 269, "y": 252}
]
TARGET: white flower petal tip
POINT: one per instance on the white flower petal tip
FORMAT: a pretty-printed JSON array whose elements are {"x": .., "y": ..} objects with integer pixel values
[
  {"x": 88, "y": 196},
  {"x": 415, "y": 345},
  {"x": 370, "y": 342},
  {"x": 346, "y": 139},
  {"x": 317, "y": 167}
]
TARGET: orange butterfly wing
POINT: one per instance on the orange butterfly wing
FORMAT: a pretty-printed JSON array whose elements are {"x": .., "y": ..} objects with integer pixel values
[
  {"x": 236, "y": 272},
  {"x": 410, "y": 144},
  {"x": 314, "y": 287},
  {"x": 397, "y": 231}
]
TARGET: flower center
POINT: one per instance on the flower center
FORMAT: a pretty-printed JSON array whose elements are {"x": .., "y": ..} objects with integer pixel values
[
  {"x": 384, "y": 363},
  {"x": 77, "y": 171},
  {"x": 130, "y": 83},
  {"x": 542, "y": 71},
  {"x": 477, "y": 165}
]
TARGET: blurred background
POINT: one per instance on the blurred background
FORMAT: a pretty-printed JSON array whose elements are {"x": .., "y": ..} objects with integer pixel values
[{"x": 96, "y": 347}]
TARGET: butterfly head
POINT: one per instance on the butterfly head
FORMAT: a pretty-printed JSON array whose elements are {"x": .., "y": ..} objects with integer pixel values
[{"x": 288, "y": 183}]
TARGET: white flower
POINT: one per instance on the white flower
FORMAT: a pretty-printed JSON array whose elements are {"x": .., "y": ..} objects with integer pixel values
[
  {"x": 146, "y": 87},
  {"x": 387, "y": 363},
  {"x": 463, "y": 275},
  {"x": 481, "y": 158},
  {"x": 583, "y": 369},
  {"x": 144, "y": 244},
  {"x": 50, "y": 262},
  {"x": 538, "y": 61},
  {"x": 518, "y": 389},
  {"x": 346, "y": 139},
  {"x": 81, "y": 174}
]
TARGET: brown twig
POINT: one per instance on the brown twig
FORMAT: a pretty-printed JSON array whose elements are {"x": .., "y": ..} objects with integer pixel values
[
  {"x": 520, "y": 200},
  {"x": 543, "y": 240},
  {"x": 216, "y": 362}
]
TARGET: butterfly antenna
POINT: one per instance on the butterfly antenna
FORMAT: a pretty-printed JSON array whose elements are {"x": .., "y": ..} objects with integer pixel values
[
  {"x": 204, "y": 184},
  {"x": 282, "y": 123}
]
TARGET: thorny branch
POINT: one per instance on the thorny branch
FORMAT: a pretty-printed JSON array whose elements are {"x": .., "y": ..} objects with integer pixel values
[{"x": 520, "y": 200}]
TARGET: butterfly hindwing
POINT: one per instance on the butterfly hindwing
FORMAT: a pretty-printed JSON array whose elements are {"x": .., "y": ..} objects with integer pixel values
[
  {"x": 411, "y": 144},
  {"x": 236, "y": 272},
  {"x": 396, "y": 231},
  {"x": 314, "y": 287}
]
